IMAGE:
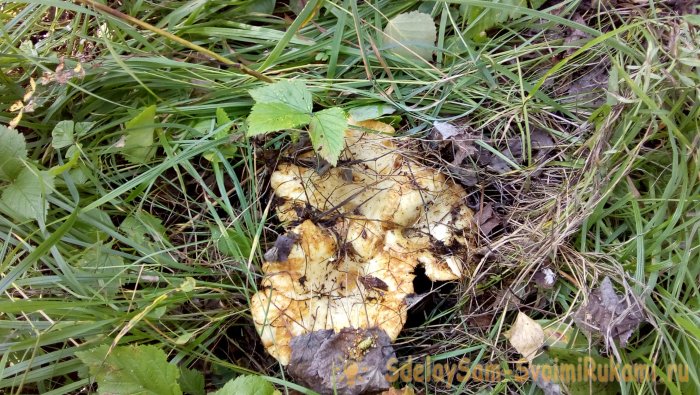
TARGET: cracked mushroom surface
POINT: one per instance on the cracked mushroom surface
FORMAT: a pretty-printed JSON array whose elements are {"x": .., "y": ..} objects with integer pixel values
[{"x": 359, "y": 231}]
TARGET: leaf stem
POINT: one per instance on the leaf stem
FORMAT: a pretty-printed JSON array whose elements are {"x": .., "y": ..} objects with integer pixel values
[{"x": 128, "y": 18}]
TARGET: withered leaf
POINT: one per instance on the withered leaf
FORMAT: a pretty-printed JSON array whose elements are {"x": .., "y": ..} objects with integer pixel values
[
  {"x": 526, "y": 336},
  {"x": 541, "y": 140},
  {"x": 462, "y": 143},
  {"x": 350, "y": 362},
  {"x": 609, "y": 314},
  {"x": 283, "y": 246},
  {"x": 487, "y": 219},
  {"x": 372, "y": 282}
]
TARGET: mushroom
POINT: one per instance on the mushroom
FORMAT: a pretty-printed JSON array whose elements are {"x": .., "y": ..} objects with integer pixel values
[{"x": 359, "y": 232}]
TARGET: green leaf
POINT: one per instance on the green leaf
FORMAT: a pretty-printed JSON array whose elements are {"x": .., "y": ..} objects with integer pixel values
[
  {"x": 141, "y": 225},
  {"x": 138, "y": 144},
  {"x": 261, "y": 7},
  {"x": 692, "y": 19},
  {"x": 62, "y": 134},
  {"x": 231, "y": 243},
  {"x": 327, "y": 132},
  {"x": 188, "y": 285},
  {"x": 192, "y": 381},
  {"x": 13, "y": 150},
  {"x": 372, "y": 111},
  {"x": 25, "y": 197},
  {"x": 131, "y": 370},
  {"x": 480, "y": 19},
  {"x": 247, "y": 385},
  {"x": 90, "y": 233},
  {"x": 293, "y": 93},
  {"x": 82, "y": 128},
  {"x": 102, "y": 268},
  {"x": 411, "y": 35},
  {"x": 221, "y": 120},
  {"x": 270, "y": 117}
]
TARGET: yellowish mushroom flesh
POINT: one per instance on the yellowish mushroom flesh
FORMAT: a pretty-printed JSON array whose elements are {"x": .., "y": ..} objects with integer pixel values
[{"x": 384, "y": 214}]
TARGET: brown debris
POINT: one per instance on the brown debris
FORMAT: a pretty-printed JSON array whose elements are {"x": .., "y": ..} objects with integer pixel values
[
  {"x": 610, "y": 315},
  {"x": 487, "y": 219},
  {"x": 350, "y": 362}
]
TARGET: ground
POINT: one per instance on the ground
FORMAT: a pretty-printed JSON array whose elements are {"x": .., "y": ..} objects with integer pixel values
[{"x": 135, "y": 209}]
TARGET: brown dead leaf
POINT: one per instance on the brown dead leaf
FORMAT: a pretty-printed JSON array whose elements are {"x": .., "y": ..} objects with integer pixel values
[
  {"x": 526, "y": 336},
  {"x": 462, "y": 143},
  {"x": 609, "y": 314},
  {"x": 576, "y": 36},
  {"x": 283, "y": 246},
  {"x": 62, "y": 75},
  {"x": 487, "y": 219},
  {"x": 351, "y": 362}
]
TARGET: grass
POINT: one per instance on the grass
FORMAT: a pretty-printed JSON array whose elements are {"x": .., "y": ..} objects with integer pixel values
[{"x": 619, "y": 196}]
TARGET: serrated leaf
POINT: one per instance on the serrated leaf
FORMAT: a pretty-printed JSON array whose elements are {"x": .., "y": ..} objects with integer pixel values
[
  {"x": 192, "y": 381},
  {"x": 247, "y": 385},
  {"x": 82, "y": 128},
  {"x": 411, "y": 35},
  {"x": 293, "y": 93},
  {"x": 79, "y": 175},
  {"x": 221, "y": 120},
  {"x": 138, "y": 143},
  {"x": 101, "y": 269},
  {"x": 141, "y": 225},
  {"x": 92, "y": 233},
  {"x": 327, "y": 132},
  {"x": 271, "y": 117},
  {"x": 26, "y": 195},
  {"x": 13, "y": 150},
  {"x": 131, "y": 370},
  {"x": 62, "y": 134}
]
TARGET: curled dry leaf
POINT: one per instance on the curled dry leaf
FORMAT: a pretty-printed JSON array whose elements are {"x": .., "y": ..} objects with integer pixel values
[
  {"x": 352, "y": 361},
  {"x": 360, "y": 238},
  {"x": 487, "y": 219},
  {"x": 462, "y": 143},
  {"x": 283, "y": 246},
  {"x": 526, "y": 336},
  {"x": 62, "y": 75},
  {"x": 609, "y": 314}
]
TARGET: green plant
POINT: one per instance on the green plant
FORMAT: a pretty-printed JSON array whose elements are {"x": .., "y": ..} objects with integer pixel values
[
  {"x": 288, "y": 104},
  {"x": 24, "y": 186},
  {"x": 145, "y": 370}
]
